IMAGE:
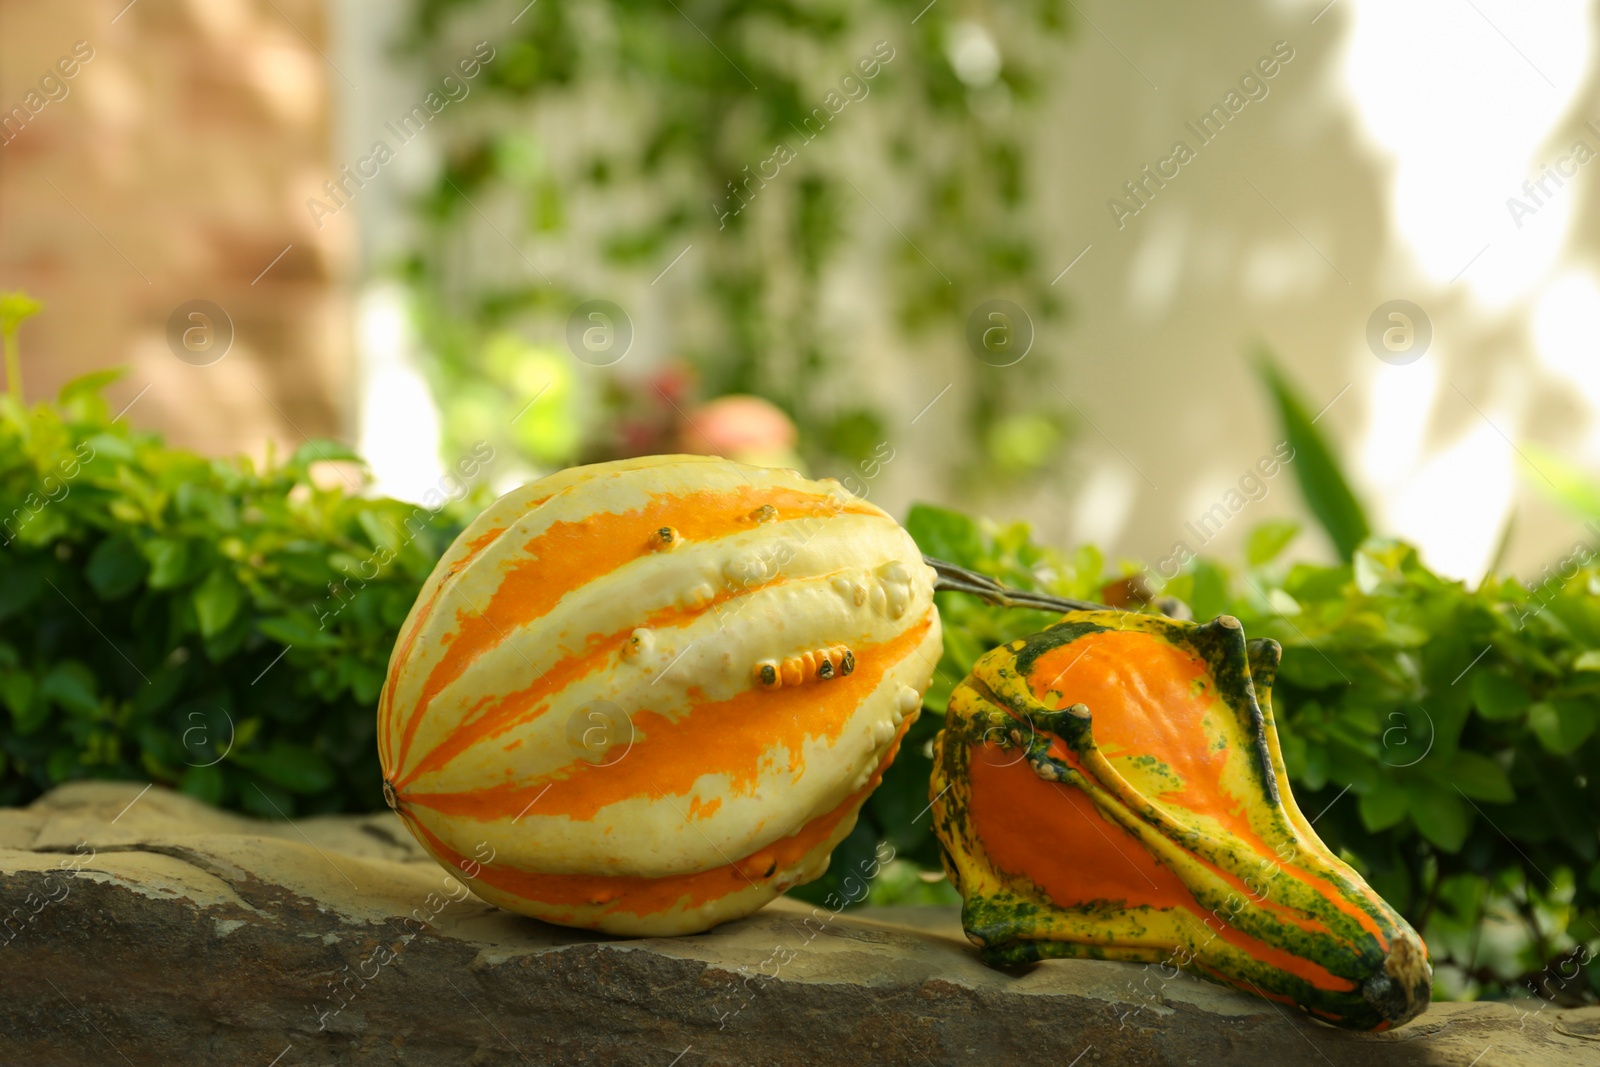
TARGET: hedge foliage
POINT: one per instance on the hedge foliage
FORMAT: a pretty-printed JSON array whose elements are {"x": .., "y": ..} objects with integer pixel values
[{"x": 197, "y": 622}]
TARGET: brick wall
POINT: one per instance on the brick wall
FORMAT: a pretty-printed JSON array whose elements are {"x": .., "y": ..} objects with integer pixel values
[{"x": 174, "y": 165}]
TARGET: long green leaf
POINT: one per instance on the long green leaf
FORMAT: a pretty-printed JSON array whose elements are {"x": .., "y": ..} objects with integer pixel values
[
  {"x": 1323, "y": 484},
  {"x": 1563, "y": 482}
]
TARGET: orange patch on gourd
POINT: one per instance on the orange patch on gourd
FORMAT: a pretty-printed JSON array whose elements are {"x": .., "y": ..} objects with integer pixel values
[
  {"x": 1054, "y": 836},
  {"x": 1077, "y": 856},
  {"x": 488, "y": 537},
  {"x": 704, "y": 809},
  {"x": 1143, "y": 695}
]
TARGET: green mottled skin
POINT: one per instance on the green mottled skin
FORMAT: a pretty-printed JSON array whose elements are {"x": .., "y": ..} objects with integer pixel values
[{"x": 1015, "y": 922}]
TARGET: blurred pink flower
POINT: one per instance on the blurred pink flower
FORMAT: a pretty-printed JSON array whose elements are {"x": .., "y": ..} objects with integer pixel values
[{"x": 743, "y": 428}]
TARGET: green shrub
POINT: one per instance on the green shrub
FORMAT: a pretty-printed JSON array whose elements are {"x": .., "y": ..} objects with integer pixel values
[{"x": 196, "y": 622}]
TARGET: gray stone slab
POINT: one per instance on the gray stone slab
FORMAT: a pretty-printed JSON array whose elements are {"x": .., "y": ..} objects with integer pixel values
[{"x": 149, "y": 929}]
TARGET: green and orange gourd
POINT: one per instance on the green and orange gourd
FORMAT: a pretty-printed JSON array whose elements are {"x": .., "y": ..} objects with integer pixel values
[{"x": 1113, "y": 788}]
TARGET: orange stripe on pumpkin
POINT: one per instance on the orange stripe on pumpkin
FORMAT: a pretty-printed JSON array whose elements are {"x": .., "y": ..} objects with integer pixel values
[
  {"x": 704, "y": 810},
  {"x": 635, "y": 895},
  {"x": 570, "y": 554},
  {"x": 485, "y": 539},
  {"x": 736, "y": 736},
  {"x": 403, "y": 649},
  {"x": 496, "y": 714},
  {"x": 386, "y": 710}
]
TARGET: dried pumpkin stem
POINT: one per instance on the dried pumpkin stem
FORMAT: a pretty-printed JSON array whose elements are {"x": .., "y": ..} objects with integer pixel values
[{"x": 956, "y": 579}]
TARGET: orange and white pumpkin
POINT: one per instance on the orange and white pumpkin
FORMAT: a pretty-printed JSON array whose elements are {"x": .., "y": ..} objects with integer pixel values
[{"x": 656, "y": 692}]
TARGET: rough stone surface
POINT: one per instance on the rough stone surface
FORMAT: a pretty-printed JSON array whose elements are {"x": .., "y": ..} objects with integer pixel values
[{"x": 147, "y": 929}]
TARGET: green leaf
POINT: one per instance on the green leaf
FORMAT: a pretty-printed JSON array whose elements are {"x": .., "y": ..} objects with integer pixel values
[
  {"x": 322, "y": 450},
  {"x": 217, "y": 600},
  {"x": 297, "y": 629},
  {"x": 1268, "y": 539},
  {"x": 1587, "y": 661},
  {"x": 1384, "y": 806},
  {"x": 16, "y": 690},
  {"x": 1498, "y": 696},
  {"x": 28, "y": 711},
  {"x": 116, "y": 567},
  {"x": 1310, "y": 669},
  {"x": 1208, "y": 593},
  {"x": 366, "y": 682},
  {"x": 37, "y": 523},
  {"x": 20, "y": 588},
  {"x": 89, "y": 385},
  {"x": 170, "y": 561},
  {"x": 108, "y": 450},
  {"x": 380, "y": 534},
  {"x": 1565, "y": 483},
  {"x": 1480, "y": 778},
  {"x": 16, "y": 307},
  {"x": 1440, "y": 814},
  {"x": 1322, "y": 483},
  {"x": 62, "y": 764},
  {"x": 71, "y": 684},
  {"x": 1562, "y": 725},
  {"x": 947, "y": 535},
  {"x": 204, "y": 783},
  {"x": 294, "y": 768}
]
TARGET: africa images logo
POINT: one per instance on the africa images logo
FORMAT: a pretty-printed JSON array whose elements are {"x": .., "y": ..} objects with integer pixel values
[
  {"x": 1253, "y": 86},
  {"x": 852, "y": 89},
  {"x": 343, "y": 189},
  {"x": 1536, "y": 192}
]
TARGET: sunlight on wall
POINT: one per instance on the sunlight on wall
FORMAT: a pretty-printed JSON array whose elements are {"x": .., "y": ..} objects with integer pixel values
[
  {"x": 1101, "y": 511},
  {"x": 1465, "y": 101},
  {"x": 1457, "y": 490},
  {"x": 1279, "y": 270},
  {"x": 399, "y": 422},
  {"x": 1565, "y": 322},
  {"x": 1401, "y": 403},
  {"x": 1465, "y": 119},
  {"x": 1157, "y": 268}
]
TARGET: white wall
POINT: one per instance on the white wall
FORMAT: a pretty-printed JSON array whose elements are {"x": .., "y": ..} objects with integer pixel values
[{"x": 1376, "y": 168}]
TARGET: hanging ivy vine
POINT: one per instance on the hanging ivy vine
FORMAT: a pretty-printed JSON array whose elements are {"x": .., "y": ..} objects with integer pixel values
[{"x": 799, "y": 158}]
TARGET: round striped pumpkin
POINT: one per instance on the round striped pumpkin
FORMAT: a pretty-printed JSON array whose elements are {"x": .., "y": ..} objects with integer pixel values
[{"x": 656, "y": 692}]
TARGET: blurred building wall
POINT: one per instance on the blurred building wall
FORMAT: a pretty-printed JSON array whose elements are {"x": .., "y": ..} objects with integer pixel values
[
  {"x": 1375, "y": 165},
  {"x": 177, "y": 162},
  {"x": 174, "y": 166},
  {"x": 1372, "y": 164}
]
